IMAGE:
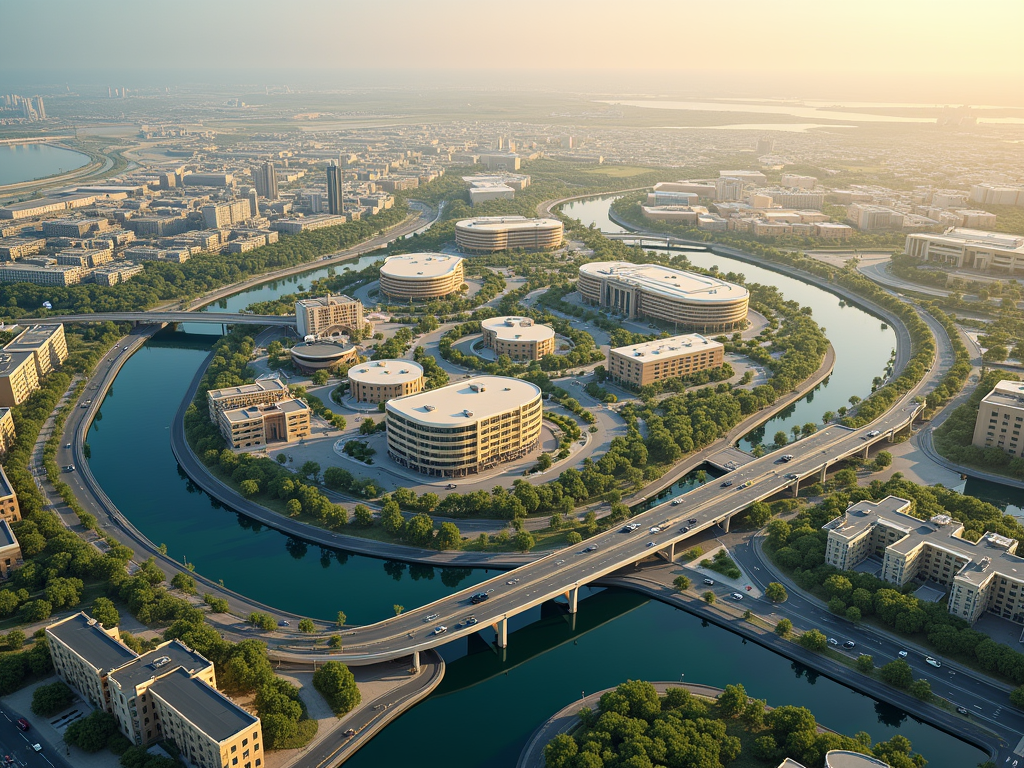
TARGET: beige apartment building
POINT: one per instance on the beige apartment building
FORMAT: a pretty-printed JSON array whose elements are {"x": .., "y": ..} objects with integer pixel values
[
  {"x": 167, "y": 693},
  {"x": 7, "y": 433},
  {"x": 47, "y": 343},
  {"x": 18, "y": 377},
  {"x": 58, "y": 276},
  {"x": 464, "y": 428},
  {"x": 642, "y": 364},
  {"x": 9, "y": 509},
  {"x": 262, "y": 392},
  {"x": 329, "y": 316},
  {"x": 651, "y": 291},
  {"x": 285, "y": 421},
  {"x": 421, "y": 276},
  {"x": 1000, "y": 419},
  {"x": 518, "y": 337},
  {"x": 981, "y": 576},
  {"x": 10, "y": 550},
  {"x": 381, "y": 380},
  {"x": 970, "y": 249},
  {"x": 488, "y": 234}
]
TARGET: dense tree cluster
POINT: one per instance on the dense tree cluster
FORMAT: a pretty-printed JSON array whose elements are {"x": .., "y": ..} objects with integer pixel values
[
  {"x": 337, "y": 685},
  {"x": 634, "y": 727},
  {"x": 799, "y": 548}
]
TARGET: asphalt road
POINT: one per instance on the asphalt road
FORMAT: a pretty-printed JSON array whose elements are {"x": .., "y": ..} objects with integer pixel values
[{"x": 18, "y": 745}]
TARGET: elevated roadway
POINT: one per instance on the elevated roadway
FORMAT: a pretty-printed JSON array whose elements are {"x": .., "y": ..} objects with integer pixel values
[
  {"x": 561, "y": 574},
  {"x": 165, "y": 316}
]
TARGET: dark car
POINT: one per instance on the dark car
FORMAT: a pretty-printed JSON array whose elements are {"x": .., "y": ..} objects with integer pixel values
[
  {"x": 692, "y": 521},
  {"x": 349, "y": 733},
  {"x": 479, "y": 597},
  {"x": 22, "y": 724},
  {"x": 727, "y": 483},
  {"x": 849, "y": 644}
]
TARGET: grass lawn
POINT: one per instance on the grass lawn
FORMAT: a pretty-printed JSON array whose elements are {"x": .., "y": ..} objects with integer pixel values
[{"x": 618, "y": 171}]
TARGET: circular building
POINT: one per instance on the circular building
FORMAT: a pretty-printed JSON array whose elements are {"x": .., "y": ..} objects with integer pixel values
[
  {"x": 421, "y": 276},
  {"x": 464, "y": 428},
  {"x": 487, "y": 234},
  {"x": 518, "y": 337},
  {"x": 685, "y": 299},
  {"x": 841, "y": 758},
  {"x": 310, "y": 356},
  {"x": 381, "y": 380}
]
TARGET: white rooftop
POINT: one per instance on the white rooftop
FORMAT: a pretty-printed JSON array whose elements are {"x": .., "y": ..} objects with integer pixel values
[
  {"x": 263, "y": 385},
  {"x": 674, "y": 346},
  {"x": 961, "y": 236},
  {"x": 665, "y": 281},
  {"x": 511, "y": 328},
  {"x": 465, "y": 402},
  {"x": 420, "y": 265},
  {"x": 386, "y": 372},
  {"x": 1006, "y": 393},
  {"x": 504, "y": 223}
]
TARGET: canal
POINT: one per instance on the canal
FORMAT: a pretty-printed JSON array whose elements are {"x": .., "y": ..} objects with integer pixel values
[{"x": 492, "y": 703}]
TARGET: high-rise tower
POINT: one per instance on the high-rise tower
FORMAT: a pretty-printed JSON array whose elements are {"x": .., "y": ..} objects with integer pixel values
[
  {"x": 335, "y": 189},
  {"x": 265, "y": 179}
]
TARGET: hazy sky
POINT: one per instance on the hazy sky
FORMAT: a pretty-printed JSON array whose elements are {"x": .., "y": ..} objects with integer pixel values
[{"x": 861, "y": 44}]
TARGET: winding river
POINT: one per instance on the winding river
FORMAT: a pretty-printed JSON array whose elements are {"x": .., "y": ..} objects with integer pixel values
[{"x": 490, "y": 703}]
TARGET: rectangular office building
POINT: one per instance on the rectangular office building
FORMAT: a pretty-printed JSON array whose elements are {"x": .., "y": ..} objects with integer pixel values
[
  {"x": 7, "y": 433},
  {"x": 641, "y": 364},
  {"x": 262, "y": 392},
  {"x": 47, "y": 343},
  {"x": 18, "y": 377},
  {"x": 1000, "y": 418},
  {"x": 250, "y": 426}
]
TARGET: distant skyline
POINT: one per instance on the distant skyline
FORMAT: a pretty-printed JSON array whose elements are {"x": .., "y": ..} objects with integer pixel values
[{"x": 906, "y": 51}]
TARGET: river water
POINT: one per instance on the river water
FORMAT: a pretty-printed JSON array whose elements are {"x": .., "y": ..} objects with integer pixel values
[
  {"x": 493, "y": 703},
  {"x": 27, "y": 162}
]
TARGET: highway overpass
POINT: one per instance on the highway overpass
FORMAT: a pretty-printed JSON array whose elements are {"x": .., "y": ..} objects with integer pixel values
[
  {"x": 561, "y": 574},
  {"x": 144, "y": 318}
]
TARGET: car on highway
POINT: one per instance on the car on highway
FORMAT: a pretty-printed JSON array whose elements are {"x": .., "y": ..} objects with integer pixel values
[
  {"x": 849, "y": 644},
  {"x": 451, "y": 486},
  {"x": 348, "y": 733},
  {"x": 736, "y": 596},
  {"x": 510, "y": 582},
  {"x": 684, "y": 529},
  {"x": 654, "y": 529},
  {"x": 692, "y": 521},
  {"x": 69, "y": 468},
  {"x": 591, "y": 548},
  {"x": 962, "y": 710},
  {"x": 630, "y": 528},
  {"x": 37, "y": 747},
  {"x": 873, "y": 433},
  {"x": 433, "y": 617},
  {"x": 22, "y": 724},
  {"x": 833, "y": 641},
  {"x": 709, "y": 582},
  {"x": 792, "y": 475},
  {"x": 67, "y": 445},
  {"x": 726, "y": 484},
  {"x": 903, "y": 654},
  {"x": 471, "y": 621},
  {"x": 284, "y": 623},
  {"x": 786, "y": 457},
  {"x": 676, "y": 502},
  {"x": 440, "y": 630},
  {"x": 934, "y": 662},
  {"x": 479, "y": 597},
  {"x": 650, "y": 544},
  {"x": 746, "y": 484}
]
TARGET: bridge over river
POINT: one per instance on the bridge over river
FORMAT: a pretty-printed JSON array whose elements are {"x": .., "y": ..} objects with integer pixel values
[{"x": 160, "y": 316}]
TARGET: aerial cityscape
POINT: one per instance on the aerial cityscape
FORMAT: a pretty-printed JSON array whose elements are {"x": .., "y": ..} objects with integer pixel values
[{"x": 649, "y": 394}]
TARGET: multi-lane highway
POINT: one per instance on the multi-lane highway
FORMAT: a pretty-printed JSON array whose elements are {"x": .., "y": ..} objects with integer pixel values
[
  {"x": 563, "y": 572},
  {"x": 16, "y": 747},
  {"x": 166, "y": 316}
]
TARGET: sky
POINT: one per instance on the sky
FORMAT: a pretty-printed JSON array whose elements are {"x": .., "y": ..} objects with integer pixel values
[{"x": 892, "y": 48}]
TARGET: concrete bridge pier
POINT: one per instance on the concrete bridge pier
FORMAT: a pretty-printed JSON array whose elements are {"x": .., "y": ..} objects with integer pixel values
[
  {"x": 824, "y": 469},
  {"x": 867, "y": 450},
  {"x": 501, "y": 633},
  {"x": 573, "y": 596},
  {"x": 796, "y": 488},
  {"x": 416, "y": 661},
  {"x": 668, "y": 554},
  {"x": 724, "y": 524}
]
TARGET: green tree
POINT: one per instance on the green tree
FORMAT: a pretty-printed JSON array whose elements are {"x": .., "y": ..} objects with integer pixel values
[
  {"x": 335, "y": 682},
  {"x": 342, "y": 618},
  {"x": 709, "y": 597},
  {"x": 781, "y": 439},
  {"x": 523, "y": 541},
  {"x": 293, "y": 507},
  {"x": 185, "y": 583},
  {"x": 784, "y": 628},
  {"x": 362, "y": 515},
  {"x": 48, "y": 700},
  {"x": 105, "y": 613},
  {"x": 865, "y": 663},
  {"x": 217, "y": 604},
  {"x": 1017, "y": 697},
  {"x": 398, "y": 609},
  {"x": 262, "y": 621},
  {"x": 307, "y": 626},
  {"x": 920, "y": 689},
  {"x": 92, "y": 732},
  {"x": 249, "y": 488},
  {"x": 573, "y": 537},
  {"x": 335, "y": 642},
  {"x": 897, "y": 673},
  {"x": 732, "y": 700},
  {"x": 882, "y": 460},
  {"x": 813, "y": 640},
  {"x": 776, "y": 592},
  {"x": 758, "y": 514},
  {"x": 561, "y": 752},
  {"x": 449, "y": 536},
  {"x": 853, "y": 614},
  {"x": 319, "y": 378},
  {"x": 310, "y": 469},
  {"x": 682, "y": 583}
]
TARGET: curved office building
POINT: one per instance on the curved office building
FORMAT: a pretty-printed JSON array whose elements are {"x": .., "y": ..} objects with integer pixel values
[
  {"x": 381, "y": 380},
  {"x": 487, "y": 234},
  {"x": 650, "y": 291},
  {"x": 421, "y": 276},
  {"x": 310, "y": 356},
  {"x": 518, "y": 337},
  {"x": 464, "y": 428}
]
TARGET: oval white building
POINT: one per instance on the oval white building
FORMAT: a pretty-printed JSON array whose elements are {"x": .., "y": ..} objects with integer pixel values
[{"x": 420, "y": 276}]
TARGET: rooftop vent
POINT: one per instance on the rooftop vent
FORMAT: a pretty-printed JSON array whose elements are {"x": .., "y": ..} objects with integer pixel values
[
  {"x": 507, "y": 389},
  {"x": 478, "y": 387},
  {"x": 161, "y": 661},
  {"x": 467, "y": 413},
  {"x": 428, "y": 407}
]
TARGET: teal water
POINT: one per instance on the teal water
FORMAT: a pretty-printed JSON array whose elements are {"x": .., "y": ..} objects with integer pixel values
[
  {"x": 491, "y": 706},
  {"x": 132, "y": 460},
  {"x": 27, "y": 162},
  {"x": 594, "y": 210}
]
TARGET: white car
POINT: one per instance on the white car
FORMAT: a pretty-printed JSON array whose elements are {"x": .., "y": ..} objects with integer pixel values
[
  {"x": 440, "y": 630},
  {"x": 903, "y": 654},
  {"x": 833, "y": 641},
  {"x": 736, "y": 596},
  {"x": 874, "y": 433},
  {"x": 655, "y": 529},
  {"x": 934, "y": 662},
  {"x": 433, "y": 617}
]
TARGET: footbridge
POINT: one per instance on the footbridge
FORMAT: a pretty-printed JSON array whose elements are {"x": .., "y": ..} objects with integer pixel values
[
  {"x": 662, "y": 531},
  {"x": 657, "y": 241},
  {"x": 176, "y": 316}
]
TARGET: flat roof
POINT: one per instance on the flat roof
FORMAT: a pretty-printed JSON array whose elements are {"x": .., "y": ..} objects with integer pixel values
[
  {"x": 420, "y": 266},
  {"x": 666, "y": 281},
  {"x": 263, "y": 385},
  {"x": 326, "y": 301},
  {"x": 386, "y": 372},
  {"x": 513, "y": 328},
  {"x": 160, "y": 661},
  {"x": 202, "y": 705},
  {"x": 961, "y": 236},
  {"x": 662, "y": 349},
  {"x": 6, "y": 489},
  {"x": 1006, "y": 393},
  {"x": 7, "y": 537},
  {"x": 34, "y": 337},
  {"x": 247, "y": 412},
  {"x": 506, "y": 223},
  {"x": 321, "y": 350},
  {"x": 12, "y": 361},
  {"x": 481, "y": 396},
  {"x": 85, "y": 636},
  {"x": 841, "y": 758}
]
